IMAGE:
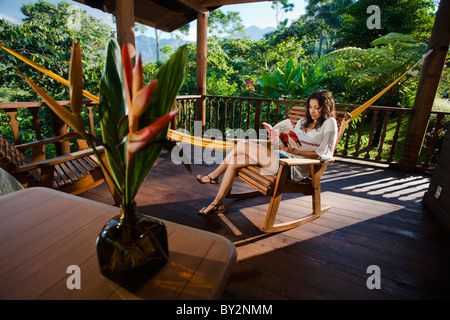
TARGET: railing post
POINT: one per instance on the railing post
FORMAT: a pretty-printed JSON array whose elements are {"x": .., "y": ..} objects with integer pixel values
[
  {"x": 59, "y": 128},
  {"x": 258, "y": 116},
  {"x": 429, "y": 81}
]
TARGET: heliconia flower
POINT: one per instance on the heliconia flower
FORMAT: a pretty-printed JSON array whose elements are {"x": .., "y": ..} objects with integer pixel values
[
  {"x": 139, "y": 104},
  {"x": 138, "y": 77},
  {"x": 137, "y": 96},
  {"x": 142, "y": 138},
  {"x": 76, "y": 79}
]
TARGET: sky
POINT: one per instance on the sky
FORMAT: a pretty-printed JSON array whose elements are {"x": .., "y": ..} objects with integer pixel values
[{"x": 259, "y": 14}]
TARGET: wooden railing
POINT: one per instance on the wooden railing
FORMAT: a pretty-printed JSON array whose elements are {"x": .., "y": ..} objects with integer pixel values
[
  {"x": 377, "y": 135},
  {"x": 32, "y": 129}
]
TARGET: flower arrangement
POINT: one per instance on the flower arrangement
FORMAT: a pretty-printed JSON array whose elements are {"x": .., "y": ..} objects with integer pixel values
[
  {"x": 134, "y": 122},
  {"x": 134, "y": 117}
]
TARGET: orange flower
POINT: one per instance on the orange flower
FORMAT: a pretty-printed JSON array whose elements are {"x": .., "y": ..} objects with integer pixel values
[
  {"x": 142, "y": 138},
  {"x": 137, "y": 96}
]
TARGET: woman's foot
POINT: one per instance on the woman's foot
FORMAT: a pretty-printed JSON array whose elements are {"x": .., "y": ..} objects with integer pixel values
[
  {"x": 206, "y": 179},
  {"x": 211, "y": 209}
]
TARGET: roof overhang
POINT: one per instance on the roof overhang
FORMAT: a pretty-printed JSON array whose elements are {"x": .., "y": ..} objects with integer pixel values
[{"x": 166, "y": 15}]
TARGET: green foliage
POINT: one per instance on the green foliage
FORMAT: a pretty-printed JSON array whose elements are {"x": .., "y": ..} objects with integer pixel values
[
  {"x": 356, "y": 74},
  {"x": 36, "y": 39},
  {"x": 411, "y": 17},
  {"x": 229, "y": 23},
  {"x": 293, "y": 82},
  {"x": 46, "y": 38}
]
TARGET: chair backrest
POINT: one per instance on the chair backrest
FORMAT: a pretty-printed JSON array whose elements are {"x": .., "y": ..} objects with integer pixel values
[
  {"x": 11, "y": 158},
  {"x": 342, "y": 118}
]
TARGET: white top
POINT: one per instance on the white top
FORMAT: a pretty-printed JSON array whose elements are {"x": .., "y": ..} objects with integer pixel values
[{"x": 321, "y": 140}]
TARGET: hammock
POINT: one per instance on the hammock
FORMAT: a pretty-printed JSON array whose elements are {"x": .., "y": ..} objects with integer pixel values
[{"x": 198, "y": 141}]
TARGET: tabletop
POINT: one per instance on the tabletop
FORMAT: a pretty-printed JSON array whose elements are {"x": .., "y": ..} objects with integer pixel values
[{"x": 45, "y": 235}]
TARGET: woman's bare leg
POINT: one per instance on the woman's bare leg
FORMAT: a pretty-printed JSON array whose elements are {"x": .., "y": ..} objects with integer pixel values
[
  {"x": 225, "y": 186},
  {"x": 243, "y": 155},
  {"x": 246, "y": 153}
]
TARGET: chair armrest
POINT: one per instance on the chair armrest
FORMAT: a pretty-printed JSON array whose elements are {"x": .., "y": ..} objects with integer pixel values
[
  {"x": 57, "y": 160},
  {"x": 36, "y": 143},
  {"x": 302, "y": 161}
]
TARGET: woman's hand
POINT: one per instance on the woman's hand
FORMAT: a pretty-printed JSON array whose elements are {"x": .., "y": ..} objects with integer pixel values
[{"x": 282, "y": 147}]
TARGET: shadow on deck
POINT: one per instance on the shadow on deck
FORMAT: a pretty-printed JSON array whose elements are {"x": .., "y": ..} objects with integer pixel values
[{"x": 376, "y": 219}]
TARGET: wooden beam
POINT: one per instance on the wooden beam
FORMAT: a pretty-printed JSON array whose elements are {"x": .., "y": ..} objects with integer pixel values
[
  {"x": 215, "y": 3},
  {"x": 194, "y": 5},
  {"x": 202, "y": 35},
  {"x": 428, "y": 85},
  {"x": 125, "y": 26}
]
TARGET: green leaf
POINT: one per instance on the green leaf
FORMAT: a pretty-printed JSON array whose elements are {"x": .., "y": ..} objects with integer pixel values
[
  {"x": 171, "y": 77},
  {"x": 112, "y": 107}
]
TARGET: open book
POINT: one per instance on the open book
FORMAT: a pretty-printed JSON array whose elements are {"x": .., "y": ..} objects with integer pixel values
[{"x": 283, "y": 133}]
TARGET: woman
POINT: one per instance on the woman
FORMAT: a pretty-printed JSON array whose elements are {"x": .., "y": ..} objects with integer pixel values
[{"x": 317, "y": 134}]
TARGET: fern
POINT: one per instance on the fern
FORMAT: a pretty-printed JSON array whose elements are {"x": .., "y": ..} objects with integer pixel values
[{"x": 366, "y": 70}]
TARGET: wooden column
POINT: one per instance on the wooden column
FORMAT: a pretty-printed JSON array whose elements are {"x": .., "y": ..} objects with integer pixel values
[
  {"x": 428, "y": 85},
  {"x": 125, "y": 26},
  {"x": 202, "y": 36}
]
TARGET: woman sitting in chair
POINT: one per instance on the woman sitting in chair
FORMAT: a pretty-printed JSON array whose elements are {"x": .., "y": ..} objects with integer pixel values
[{"x": 317, "y": 134}]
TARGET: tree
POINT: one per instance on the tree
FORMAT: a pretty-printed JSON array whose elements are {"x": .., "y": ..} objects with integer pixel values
[
  {"x": 410, "y": 17},
  {"x": 317, "y": 28},
  {"x": 228, "y": 23},
  {"x": 46, "y": 38},
  {"x": 281, "y": 7}
]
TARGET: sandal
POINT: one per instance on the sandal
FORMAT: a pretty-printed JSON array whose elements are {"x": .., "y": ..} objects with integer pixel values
[
  {"x": 212, "y": 181},
  {"x": 213, "y": 211}
]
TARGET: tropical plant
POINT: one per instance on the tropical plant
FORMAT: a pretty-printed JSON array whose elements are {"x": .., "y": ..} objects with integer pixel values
[
  {"x": 293, "y": 82},
  {"x": 356, "y": 74},
  {"x": 133, "y": 117}
]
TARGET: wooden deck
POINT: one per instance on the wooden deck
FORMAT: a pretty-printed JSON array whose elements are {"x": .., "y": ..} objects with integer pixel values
[{"x": 376, "y": 219}]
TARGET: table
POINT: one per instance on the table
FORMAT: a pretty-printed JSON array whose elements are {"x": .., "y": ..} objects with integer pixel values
[{"x": 44, "y": 231}]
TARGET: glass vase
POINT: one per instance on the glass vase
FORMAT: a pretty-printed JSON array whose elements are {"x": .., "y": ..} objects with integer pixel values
[{"x": 131, "y": 247}]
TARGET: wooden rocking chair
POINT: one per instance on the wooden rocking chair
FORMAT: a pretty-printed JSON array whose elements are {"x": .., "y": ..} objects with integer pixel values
[
  {"x": 275, "y": 185},
  {"x": 71, "y": 173}
]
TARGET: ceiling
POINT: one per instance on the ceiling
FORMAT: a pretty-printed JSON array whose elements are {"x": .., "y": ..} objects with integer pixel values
[{"x": 166, "y": 15}]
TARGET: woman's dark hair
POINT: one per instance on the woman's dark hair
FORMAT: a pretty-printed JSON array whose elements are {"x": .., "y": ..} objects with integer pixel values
[{"x": 326, "y": 105}]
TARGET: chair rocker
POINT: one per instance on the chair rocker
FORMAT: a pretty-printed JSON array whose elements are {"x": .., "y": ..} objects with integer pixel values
[
  {"x": 276, "y": 185},
  {"x": 72, "y": 173}
]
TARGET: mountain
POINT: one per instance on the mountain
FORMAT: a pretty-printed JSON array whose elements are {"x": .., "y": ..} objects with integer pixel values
[
  {"x": 255, "y": 33},
  {"x": 146, "y": 46}
]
